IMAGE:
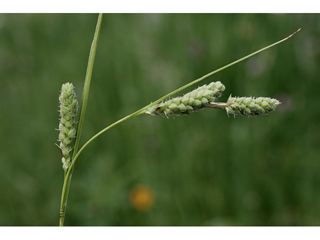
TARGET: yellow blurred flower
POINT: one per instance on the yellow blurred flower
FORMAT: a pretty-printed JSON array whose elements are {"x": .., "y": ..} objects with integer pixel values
[{"x": 141, "y": 197}]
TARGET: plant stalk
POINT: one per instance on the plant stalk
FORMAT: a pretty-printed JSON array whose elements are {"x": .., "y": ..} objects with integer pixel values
[
  {"x": 68, "y": 174},
  {"x": 85, "y": 94}
]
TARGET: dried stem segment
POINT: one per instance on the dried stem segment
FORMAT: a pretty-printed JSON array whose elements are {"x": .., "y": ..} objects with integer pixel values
[{"x": 190, "y": 102}]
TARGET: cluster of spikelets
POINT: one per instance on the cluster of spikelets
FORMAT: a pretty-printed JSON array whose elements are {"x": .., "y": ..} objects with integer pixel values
[
  {"x": 205, "y": 97},
  {"x": 200, "y": 98},
  {"x": 250, "y": 106},
  {"x": 190, "y": 102},
  {"x": 68, "y": 109}
]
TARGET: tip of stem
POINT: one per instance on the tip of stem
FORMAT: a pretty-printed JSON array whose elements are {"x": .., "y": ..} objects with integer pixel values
[{"x": 293, "y": 33}]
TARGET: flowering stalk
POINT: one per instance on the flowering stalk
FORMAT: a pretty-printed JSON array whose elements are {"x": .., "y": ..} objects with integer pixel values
[
  {"x": 205, "y": 96},
  {"x": 202, "y": 97},
  {"x": 69, "y": 170}
]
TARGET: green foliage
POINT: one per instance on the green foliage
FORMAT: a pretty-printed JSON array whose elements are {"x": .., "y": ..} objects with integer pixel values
[{"x": 205, "y": 168}]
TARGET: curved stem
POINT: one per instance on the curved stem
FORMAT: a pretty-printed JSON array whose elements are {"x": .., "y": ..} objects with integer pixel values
[
  {"x": 141, "y": 111},
  {"x": 66, "y": 184},
  {"x": 224, "y": 67}
]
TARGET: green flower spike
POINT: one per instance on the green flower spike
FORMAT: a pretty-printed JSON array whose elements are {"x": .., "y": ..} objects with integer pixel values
[
  {"x": 250, "y": 106},
  {"x": 68, "y": 109},
  {"x": 190, "y": 102}
]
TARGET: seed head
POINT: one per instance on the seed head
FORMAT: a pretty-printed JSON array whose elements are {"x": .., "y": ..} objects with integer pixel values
[
  {"x": 251, "y": 106},
  {"x": 190, "y": 102},
  {"x": 68, "y": 109}
]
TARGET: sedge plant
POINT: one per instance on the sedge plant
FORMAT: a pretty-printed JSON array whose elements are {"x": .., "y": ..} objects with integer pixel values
[{"x": 70, "y": 126}]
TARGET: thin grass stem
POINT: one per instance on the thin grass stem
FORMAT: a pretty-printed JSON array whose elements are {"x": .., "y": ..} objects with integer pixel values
[
  {"x": 85, "y": 94},
  {"x": 224, "y": 67}
]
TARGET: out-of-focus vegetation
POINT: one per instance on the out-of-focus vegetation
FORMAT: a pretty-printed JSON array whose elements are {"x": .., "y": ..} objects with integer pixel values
[{"x": 202, "y": 169}]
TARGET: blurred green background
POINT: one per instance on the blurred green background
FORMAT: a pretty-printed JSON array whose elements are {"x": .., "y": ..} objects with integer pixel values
[{"x": 203, "y": 169}]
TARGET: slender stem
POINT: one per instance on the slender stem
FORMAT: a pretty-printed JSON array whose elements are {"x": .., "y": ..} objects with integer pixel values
[
  {"x": 224, "y": 67},
  {"x": 85, "y": 94},
  {"x": 141, "y": 111},
  {"x": 86, "y": 87},
  {"x": 66, "y": 184},
  {"x": 218, "y": 105}
]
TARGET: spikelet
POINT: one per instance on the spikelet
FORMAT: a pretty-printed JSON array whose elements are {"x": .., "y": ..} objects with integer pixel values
[
  {"x": 190, "y": 102},
  {"x": 68, "y": 109},
  {"x": 250, "y": 106}
]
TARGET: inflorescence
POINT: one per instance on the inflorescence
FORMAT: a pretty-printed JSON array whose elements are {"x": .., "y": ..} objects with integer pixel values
[
  {"x": 68, "y": 109},
  {"x": 205, "y": 97},
  {"x": 190, "y": 102}
]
